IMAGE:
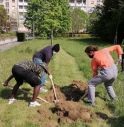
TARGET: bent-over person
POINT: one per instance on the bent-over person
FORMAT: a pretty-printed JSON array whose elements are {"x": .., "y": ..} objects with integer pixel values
[{"x": 26, "y": 71}]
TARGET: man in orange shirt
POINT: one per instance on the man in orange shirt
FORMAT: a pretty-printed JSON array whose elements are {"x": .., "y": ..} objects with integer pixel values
[{"x": 104, "y": 69}]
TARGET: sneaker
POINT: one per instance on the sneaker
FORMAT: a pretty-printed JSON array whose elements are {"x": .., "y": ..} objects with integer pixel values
[
  {"x": 11, "y": 100},
  {"x": 89, "y": 102},
  {"x": 34, "y": 104},
  {"x": 44, "y": 90}
]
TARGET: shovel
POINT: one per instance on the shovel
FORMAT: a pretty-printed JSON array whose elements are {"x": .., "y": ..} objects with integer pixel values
[{"x": 56, "y": 99}]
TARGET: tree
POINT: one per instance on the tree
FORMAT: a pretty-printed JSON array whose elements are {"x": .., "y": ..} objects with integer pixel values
[
  {"x": 109, "y": 23},
  {"x": 78, "y": 20},
  {"x": 47, "y": 16},
  {"x": 3, "y": 18}
]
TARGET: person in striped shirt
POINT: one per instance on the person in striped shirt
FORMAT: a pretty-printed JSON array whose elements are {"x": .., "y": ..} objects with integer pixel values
[{"x": 26, "y": 71}]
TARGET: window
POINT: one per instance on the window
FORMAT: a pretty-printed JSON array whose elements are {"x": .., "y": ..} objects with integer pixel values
[
  {"x": 79, "y": 1},
  {"x": 7, "y": 4},
  {"x": 21, "y": 16},
  {"x": 20, "y": 0},
  {"x": 92, "y": 2},
  {"x": 20, "y": 13},
  {"x": 25, "y": 7},
  {"x": 84, "y": 1},
  {"x": 20, "y": 7},
  {"x": 7, "y": 10},
  {"x": 71, "y": 1}
]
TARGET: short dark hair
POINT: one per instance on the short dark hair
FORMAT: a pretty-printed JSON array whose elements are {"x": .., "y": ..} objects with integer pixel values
[
  {"x": 91, "y": 48},
  {"x": 56, "y": 48}
]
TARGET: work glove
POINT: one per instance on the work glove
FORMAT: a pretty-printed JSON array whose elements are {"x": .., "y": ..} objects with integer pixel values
[{"x": 50, "y": 76}]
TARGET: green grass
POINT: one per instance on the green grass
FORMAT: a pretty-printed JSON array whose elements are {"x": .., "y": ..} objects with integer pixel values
[{"x": 71, "y": 63}]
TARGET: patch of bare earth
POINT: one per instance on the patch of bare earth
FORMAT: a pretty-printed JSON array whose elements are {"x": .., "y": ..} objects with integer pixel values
[{"x": 68, "y": 109}]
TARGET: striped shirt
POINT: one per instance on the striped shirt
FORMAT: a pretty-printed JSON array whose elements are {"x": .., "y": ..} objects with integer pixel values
[{"x": 29, "y": 65}]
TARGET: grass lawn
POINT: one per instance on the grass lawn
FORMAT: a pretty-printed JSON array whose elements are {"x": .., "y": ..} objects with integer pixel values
[{"x": 71, "y": 63}]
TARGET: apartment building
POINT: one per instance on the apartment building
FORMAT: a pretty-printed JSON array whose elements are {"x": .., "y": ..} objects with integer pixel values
[
  {"x": 16, "y": 9},
  {"x": 86, "y": 5}
]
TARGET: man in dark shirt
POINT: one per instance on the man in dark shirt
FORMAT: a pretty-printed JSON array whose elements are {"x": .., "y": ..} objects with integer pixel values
[
  {"x": 29, "y": 72},
  {"x": 43, "y": 58}
]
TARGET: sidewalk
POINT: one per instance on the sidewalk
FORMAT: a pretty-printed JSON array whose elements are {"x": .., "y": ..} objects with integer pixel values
[{"x": 8, "y": 43}]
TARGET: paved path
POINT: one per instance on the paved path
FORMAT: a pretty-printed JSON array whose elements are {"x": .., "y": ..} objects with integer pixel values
[{"x": 4, "y": 47}]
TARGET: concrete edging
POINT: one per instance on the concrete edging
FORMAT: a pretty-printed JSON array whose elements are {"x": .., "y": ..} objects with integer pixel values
[{"x": 8, "y": 40}]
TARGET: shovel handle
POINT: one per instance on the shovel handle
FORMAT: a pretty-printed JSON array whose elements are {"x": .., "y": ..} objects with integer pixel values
[
  {"x": 53, "y": 89},
  {"x": 43, "y": 100}
]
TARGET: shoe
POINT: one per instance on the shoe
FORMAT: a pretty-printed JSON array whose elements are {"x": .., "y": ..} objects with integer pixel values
[
  {"x": 11, "y": 100},
  {"x": 89, "y": 102},
  {"x": 34, "y": 104},
  {"x": 44, "y": 90}
]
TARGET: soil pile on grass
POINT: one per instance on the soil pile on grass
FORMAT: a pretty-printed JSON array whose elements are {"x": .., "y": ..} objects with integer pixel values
[
  {"x": 69, "y": 111},
  {"x": 69, "y": 108},
  {"x": 73, "y": 92}
]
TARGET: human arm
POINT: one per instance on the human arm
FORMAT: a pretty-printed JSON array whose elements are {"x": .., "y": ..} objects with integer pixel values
[
  {"x": 8, "y": 79},
  {"x": 47, "y": 53},
  {"x": 118, "y": 50},
  {"x": 94, "y": 67},
  {"x": 45, "y": 68}
]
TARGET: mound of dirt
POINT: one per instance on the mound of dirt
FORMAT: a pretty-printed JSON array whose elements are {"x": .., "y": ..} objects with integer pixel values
[
  {"x": 69, "y": 108},
  {"x": 73, "y": 92},
  {"x": 71, "y": 111}
]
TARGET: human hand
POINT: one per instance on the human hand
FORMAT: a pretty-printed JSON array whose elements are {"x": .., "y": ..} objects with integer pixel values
[
  {"x": 50, "y": 76},
  {"x": 119, "y": 61},
  {"x": 5, "y": 83}
]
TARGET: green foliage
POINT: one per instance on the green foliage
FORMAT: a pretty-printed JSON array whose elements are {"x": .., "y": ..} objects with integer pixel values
[
  {"x": 78, "y": 20},
  {"x": 3, "y": 18},
  {"x": 93, "y": 17},
  {"x": 109, "y": 20},
  {"x": 47, "y": 16}
]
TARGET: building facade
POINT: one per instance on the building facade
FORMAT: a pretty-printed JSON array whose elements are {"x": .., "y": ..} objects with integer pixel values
[
  {"x": 86, "y": 5},
  {"x": 16, "y": 9}
]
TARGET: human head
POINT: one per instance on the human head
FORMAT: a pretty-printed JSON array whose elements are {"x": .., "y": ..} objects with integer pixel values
[
  {"x": 90, "y": 50},
  {"x": 56, "y": 48}
]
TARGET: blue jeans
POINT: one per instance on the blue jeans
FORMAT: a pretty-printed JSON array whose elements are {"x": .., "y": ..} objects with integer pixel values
[{"x": 43, "y": 76}]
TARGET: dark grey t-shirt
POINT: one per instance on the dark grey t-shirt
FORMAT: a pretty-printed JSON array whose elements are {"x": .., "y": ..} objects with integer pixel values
[{"x": 45, "y": 54}]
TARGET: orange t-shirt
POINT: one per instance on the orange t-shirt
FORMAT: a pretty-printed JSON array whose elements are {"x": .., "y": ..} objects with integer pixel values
[{"x": 103, "y": 58}]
